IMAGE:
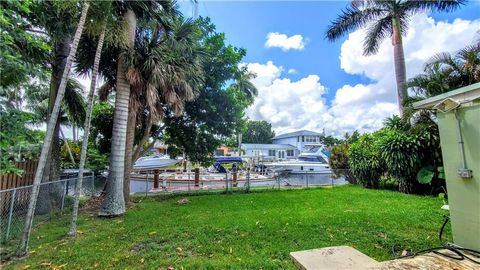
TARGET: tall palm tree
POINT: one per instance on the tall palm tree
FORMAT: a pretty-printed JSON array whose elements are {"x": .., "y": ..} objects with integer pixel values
[
  {"x": 164, "y": 70},
  {"x": 114, "y": 203},
  {"x": 386, "y": 19},
  {"x": 52, "y": 123},
  {"x": 86, "y": 131}
]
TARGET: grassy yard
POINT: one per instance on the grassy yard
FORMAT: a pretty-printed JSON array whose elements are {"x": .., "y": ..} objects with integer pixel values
[{"x": 240, "y": 231}]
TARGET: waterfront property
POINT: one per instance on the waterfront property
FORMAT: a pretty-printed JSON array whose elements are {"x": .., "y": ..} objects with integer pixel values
[
  {"x": 270, "y": 151},
  {"x": 301, "y": 139}
]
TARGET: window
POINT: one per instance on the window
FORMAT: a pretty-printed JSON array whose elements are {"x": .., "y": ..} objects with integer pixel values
[
  {"x": 271, "y": 153},
  {"x": 289, "y": 153},
  {"x": 303, "y": 138}
]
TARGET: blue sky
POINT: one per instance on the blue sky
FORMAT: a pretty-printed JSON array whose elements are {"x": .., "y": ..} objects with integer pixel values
[{"x": 248, "y": 23}]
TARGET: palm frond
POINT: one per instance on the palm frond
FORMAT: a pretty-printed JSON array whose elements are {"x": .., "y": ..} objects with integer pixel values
[
  {"x": 375, "y": 34},
  {"x": 416, "y": 6},
  {"x": 74, "y": 102},
  {"x": 352, "y": 18}
]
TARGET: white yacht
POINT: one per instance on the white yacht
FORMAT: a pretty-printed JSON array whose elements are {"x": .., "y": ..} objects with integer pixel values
[
  {"x": 311, "y": 160},
  {"x": 154, "y": 162}
]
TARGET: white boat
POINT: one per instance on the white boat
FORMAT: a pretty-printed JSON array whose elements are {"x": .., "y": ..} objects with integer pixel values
[
  {"x": 312, "y": 160},
  {"x": 154, "y": 162}
]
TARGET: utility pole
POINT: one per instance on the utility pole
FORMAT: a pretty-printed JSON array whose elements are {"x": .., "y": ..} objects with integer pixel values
[
  {"x": 195, "y": 9},
  {"x": 239, "y": 144}
]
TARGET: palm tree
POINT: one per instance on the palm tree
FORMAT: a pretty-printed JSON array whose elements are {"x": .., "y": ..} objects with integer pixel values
[
  {"x": 114, "y": 203},
  {"x": 164, "y": 70},
  {"x": 445, "y": 72},
  {"x": 442, "y": 73},
  {"x": 386, "y": 19},
  {"x": 52, "y": 123},
  {"x": 86, "y": 131}
]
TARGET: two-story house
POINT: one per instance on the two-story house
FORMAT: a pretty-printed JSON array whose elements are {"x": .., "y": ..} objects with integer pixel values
[
  {"x": 284, "y": 146},
  {"x": 300, "y": 139}
]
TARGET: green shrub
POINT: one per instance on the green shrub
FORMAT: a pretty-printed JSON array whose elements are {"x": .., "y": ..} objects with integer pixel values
[
  {"x": 365, "y": 161},
  {"x": 400, "y": 152},
  {"x": 338, "y": 161}
]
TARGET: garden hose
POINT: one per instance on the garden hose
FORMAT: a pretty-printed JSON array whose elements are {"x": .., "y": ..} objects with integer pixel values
[{"x": 459, "y": 252}]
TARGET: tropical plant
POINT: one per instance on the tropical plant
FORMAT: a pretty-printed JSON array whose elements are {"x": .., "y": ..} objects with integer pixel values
[
  {"x": 17, "y": 141},
  {"x": 445, "y": 72},
  {"x": 338, "y": 162},
  {"x": 218, "y": 111},
  {"x": 162, "y": 11},
  {"x": 386, "y": 19},
  {"x": 52, "y": 124},
  {"x": 400, "y": 154},
  {"x": 86, "y": 127},
  {"x": 165, "y": 71},
  {"x": 364, "y": 159}
]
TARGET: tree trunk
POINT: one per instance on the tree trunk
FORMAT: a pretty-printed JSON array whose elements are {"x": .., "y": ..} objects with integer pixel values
[
  {"x": 114, "y": 203},
  {"x": 61, "y": 50},
  {"x": 86, "y": 132},
  {"x": 52, "y": 123},
  {"x": 146, "y": 135},
  {"x": 132, "y": 117},
  {"x": 399, "y": 62}
]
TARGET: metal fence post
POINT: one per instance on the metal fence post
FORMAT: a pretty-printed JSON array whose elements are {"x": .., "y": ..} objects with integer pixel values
[
  {"x": 146, "y": 183},
  {"x": 10, "y": 213},
  {"x": 65, "y": 190},
  {"x": 93, "y": 184},
  {"x": 306, "y": 178},
  {"x": 226, "y": 182},
  {"x": 248, "y": 180}
]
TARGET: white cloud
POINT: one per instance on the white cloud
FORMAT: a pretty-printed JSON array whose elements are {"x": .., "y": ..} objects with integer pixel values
[
  {"x": 292, "y": 105},
  {"x": 292, "y": 71},
  {"x": 275, "y": 39}
]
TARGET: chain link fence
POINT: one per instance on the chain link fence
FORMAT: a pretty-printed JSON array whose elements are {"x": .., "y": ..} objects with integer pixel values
[
  {"x": 157, "y": 182},
  {"x": 54, "y": 199}
]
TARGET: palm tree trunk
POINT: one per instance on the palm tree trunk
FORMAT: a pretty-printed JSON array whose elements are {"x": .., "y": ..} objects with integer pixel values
[
  {"x": 146, "y": 135},
  {"x": 52, "y": 122},
  {"x": 132, "y": 117},
  {"x": 86, "y": 132},
  {"x": 114, "y": 203},
  {"x": 399, "y": 62},
  {"x": 61, "y": 50}
]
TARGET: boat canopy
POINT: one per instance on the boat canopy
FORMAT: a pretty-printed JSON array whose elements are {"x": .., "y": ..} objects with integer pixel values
[{"x": 228, "y": 159}]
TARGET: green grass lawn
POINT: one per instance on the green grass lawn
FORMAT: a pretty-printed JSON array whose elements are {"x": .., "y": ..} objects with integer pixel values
[{"x": 240, "y": 231}]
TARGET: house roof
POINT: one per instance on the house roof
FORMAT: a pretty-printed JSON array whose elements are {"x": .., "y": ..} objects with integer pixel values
[
  {"x": 462, "y": 95},
  {"x": 298, "y": 133},
  {"x": 261, "y": 146}
]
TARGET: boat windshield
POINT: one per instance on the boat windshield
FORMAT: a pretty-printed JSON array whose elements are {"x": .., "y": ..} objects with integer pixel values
[
  {"x": 311, "y": 149},
  {"x": 312, "y": 159}
]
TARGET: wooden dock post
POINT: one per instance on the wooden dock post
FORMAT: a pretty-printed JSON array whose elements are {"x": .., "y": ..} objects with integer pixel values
[
  {"x": 197, "y": 177},
  {"x": 234, "y": 177},
  {"x": 155, "y": 178}
]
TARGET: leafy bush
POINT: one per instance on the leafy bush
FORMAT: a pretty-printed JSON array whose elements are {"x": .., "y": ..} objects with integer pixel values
[
  {"x": 338, "y": 161},
  {"x": 365, "y": 161},
  {"x": 400, "y": 153}
]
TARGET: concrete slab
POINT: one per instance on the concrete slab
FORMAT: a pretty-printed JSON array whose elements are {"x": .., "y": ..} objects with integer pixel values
[{"x": 333, "y": 258}]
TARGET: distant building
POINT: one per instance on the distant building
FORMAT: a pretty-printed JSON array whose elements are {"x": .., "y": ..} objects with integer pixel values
[
  {"x": 270, "y": 151},
  {"x": 160, "y": 148},
  {"x": 221, "y": 151},
  {"x": 299, "y": 139}
]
